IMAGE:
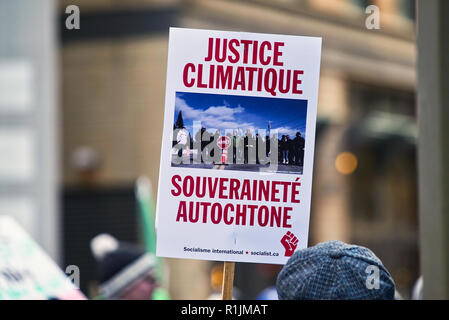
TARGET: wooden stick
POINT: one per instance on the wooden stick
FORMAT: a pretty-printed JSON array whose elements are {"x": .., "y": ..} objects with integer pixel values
[{"x": 228, "y": 280}]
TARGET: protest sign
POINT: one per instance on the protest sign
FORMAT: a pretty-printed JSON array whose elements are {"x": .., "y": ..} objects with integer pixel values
[
  {"x": 237, "y": 148},
  {"x": 26, "y": 271}
]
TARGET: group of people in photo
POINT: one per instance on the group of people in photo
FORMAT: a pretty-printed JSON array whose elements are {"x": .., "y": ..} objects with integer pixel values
[{"x": 243, "y": 148}]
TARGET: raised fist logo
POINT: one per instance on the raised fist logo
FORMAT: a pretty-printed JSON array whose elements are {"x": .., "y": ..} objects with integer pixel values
[{"x": 290, "y": 242}]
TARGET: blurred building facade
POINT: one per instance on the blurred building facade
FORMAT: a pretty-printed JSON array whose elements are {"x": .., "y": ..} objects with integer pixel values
[
  {"x": 29, "y": 137},
  {"x": 113, "y": 87}
]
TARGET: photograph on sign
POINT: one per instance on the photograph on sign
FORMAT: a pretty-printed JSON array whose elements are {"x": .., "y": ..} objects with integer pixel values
[
  {"x": 242, "y": 132},
  {"x": 238, "y": 141}
]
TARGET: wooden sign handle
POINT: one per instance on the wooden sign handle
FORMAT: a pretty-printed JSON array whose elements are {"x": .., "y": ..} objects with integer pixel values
[{"x": 228, "y": 280}]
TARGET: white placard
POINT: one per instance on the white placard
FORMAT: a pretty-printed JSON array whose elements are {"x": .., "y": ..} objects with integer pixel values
[
  {"x": 26, "y": 271},
  {"x": 248, "y": 200}
]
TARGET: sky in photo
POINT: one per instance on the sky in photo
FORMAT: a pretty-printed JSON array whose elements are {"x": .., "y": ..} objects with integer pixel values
[{"x": 216, "y": 111}]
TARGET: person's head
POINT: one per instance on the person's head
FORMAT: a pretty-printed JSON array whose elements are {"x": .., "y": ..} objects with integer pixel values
[
  {"x": 334, "y": 270},
  {"x": 298, "y": 134},
  {"x": 126, "y": 271}
]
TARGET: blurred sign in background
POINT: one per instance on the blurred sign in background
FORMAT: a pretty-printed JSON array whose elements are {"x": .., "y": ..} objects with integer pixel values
[{"x": 84, "y": 135}]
